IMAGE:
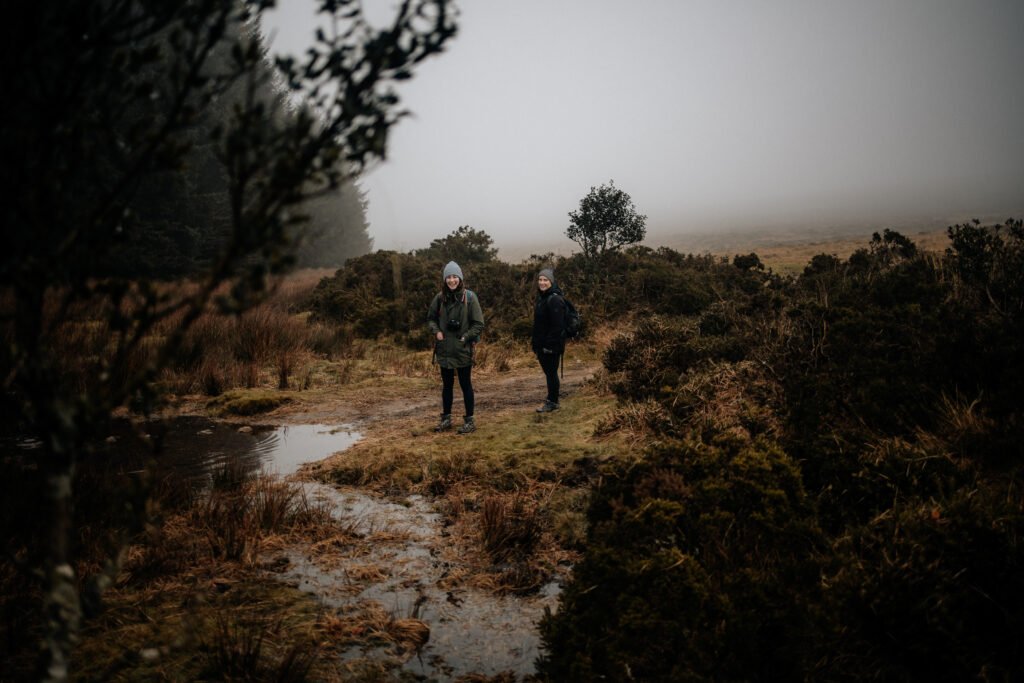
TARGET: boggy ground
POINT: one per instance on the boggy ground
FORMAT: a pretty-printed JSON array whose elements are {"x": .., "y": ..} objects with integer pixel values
[
  {"x": 509, "y": 500},
  {"x": 384, "y": 572}
]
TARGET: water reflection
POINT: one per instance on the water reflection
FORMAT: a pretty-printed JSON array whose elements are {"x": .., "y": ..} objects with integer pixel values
[
  {"x": 287, "y": 448},
  {"x": 472, "y": 632},
  {"x": 191, "y": 449}
]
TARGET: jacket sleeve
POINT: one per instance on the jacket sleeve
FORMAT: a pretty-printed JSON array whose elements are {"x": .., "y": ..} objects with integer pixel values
[
  {"x": 433, "y": 322},
  {"x": 476, "y": 318},
  {"x": 556, "y": 321}
]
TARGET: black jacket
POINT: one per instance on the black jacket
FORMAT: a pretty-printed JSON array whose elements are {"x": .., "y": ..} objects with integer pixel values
[{"x": 548, "y": 321}]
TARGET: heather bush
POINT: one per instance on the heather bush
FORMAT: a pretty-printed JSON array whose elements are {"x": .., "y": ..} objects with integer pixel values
[
  {"x": 931, "y": 590},
  {"x": 700, "y": 565},
  {"x": 842, "y": 496},
  {"x": 387, "y": 293},
  {"x": 879, "y": 344}
]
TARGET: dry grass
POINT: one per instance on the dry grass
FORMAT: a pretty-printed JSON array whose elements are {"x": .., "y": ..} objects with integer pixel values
[
  {"x": 724, "y": 397},
  {"x": 232, "y": 522},
  {"x": 510, "y": 526},
  {"x": 513, "y": 493},
  {"x": 637, "y": 421},
  {"x": 201, "y": 626},
  {"x": 239, "y": 651},
  {"x": 193, "y": 604},
  {"x": 495, "y": 357},
  {"x": 270, "y": 346},
  {"x": 291, "y": 292},
  {"x": 791, "y": 258},
  {"x": 368, "y": 623},
  {"x": 789, "y": 253},
  {"x": 508, "y": 542}
]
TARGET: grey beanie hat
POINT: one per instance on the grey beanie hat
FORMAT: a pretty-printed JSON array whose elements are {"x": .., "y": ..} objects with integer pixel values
[
  {"x": 549, "y": 274},
  {"x": 453, "y": 269}
]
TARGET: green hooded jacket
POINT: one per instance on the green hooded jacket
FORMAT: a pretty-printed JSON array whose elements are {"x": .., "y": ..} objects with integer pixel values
[{"x": 461, "y": 319}]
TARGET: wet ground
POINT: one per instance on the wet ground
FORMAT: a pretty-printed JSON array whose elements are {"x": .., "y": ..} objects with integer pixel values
[
  {"x": 398, "y": 567},
  {"x": 403, "y": 564},
  {"x": 190, "y": 449},
  {"x": 471, "y": 631}
]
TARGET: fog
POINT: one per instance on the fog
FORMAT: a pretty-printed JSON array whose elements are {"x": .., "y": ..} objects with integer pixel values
[{"x": 713, "y": 116}]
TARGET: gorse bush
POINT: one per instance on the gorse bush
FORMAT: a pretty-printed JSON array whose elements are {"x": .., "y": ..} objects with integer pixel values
[
  {"x": 931, "y": 590},
  {"x": 698, "y": 564},
  {"x": 377, "y": 293},
  {"x": 880, "y": 341},
  {"x": 841, "y": 493},
  {"x": 387, "y": 293}
]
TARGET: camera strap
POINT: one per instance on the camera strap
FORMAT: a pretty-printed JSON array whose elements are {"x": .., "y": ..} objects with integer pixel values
[
  {"x": 440, "y": 305},
  {"x": 465, "y": 310}
]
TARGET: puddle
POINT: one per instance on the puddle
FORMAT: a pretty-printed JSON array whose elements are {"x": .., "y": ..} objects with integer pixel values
[
  {"x": 398, "y": 565},
  {"x": 471, "y": 631},
  {"x": 284, "y": 450},
  {"x": 191, "y": 449}
]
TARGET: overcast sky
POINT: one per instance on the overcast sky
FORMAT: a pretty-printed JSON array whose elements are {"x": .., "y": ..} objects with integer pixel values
[{"x": 711, "y": 114}]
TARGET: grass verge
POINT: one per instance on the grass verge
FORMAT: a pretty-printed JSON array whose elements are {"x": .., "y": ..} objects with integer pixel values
[{"x": 514, "y": 493}]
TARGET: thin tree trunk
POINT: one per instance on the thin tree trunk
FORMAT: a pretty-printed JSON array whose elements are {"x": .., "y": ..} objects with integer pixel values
[{"x": 61, "y": 604}]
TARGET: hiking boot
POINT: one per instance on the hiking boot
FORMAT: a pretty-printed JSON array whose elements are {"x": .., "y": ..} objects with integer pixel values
[
  {"x": 445, "y": 423},
  {"x": 548, "y": 407},
  {"x": 467, "y": 426}
]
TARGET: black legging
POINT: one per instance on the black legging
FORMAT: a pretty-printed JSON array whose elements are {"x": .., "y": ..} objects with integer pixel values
[
  {"x": 448, "y": 389},
  {"x": 549, "y": 363}
]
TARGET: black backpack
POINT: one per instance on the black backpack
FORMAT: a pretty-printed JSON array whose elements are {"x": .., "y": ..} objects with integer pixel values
[{"x": 572, "y": 325}]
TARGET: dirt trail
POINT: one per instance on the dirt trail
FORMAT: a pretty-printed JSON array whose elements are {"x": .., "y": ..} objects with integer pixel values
[
  {"x": 495, "y": 392},
  {"x": 405, "y": 563}
]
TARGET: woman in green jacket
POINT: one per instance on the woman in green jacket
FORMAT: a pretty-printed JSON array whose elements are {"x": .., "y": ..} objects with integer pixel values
[{"x": 456, "y": 321}]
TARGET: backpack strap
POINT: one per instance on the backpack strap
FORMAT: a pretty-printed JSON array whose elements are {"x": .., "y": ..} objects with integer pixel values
[
  {"x": 561, "y": 354},
  {"x": 465, "y": 310},
  {"x": 440, "y": 306}
]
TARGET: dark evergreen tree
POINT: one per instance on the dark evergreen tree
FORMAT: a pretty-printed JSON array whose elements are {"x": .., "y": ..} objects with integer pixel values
[
  {"x": 110, "y": 101},
  {"x": 337, "y": 229}
]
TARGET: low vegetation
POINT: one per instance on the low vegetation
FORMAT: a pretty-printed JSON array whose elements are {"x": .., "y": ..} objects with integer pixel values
[
  {"x": 838, "y": 492},
  {"x": 189, "y": 599},
  {"x": 513, "y": 495},
  {"x": 812, "y": 476}
]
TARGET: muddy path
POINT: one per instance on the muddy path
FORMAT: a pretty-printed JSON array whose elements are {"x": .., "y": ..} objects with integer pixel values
[
  {"x": 402, "y": 583},
  {"x": 515, "y": 389}
]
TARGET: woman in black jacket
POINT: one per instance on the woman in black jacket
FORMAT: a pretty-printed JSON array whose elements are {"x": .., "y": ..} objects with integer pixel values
[{"x": 548, "y": 342}]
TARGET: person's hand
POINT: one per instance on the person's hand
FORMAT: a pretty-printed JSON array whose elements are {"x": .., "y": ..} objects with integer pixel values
[{"x": 440, "y": 336}]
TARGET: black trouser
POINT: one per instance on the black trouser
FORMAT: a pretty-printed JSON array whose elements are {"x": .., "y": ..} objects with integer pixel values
[
  {"x": 549, "y": 363},
  {"x": 448, "y": 389}
]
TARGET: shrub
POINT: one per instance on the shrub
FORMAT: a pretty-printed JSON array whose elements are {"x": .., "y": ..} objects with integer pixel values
[
  {"x": 700, "y": 565},
  {"x": 846, "y": 500},
  {"x": 931, "y": 590}
]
